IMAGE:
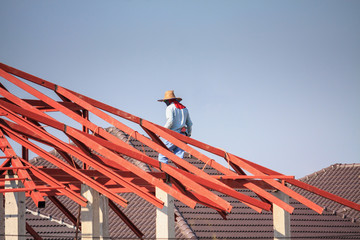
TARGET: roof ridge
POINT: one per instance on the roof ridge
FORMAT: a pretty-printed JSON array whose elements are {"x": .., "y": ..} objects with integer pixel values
[
  {"x": 183, "y": 225},
  {"x": 127, "y": 139},
  {"x": 323, "y": 170},
  {"x": 342, "y": 213}
]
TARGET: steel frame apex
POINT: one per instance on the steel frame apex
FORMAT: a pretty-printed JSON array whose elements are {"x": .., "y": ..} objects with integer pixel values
[{"x": 26, "y": 121}]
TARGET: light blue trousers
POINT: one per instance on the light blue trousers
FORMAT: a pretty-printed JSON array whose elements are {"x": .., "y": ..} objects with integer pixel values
[{"x": 176, "y": 150}]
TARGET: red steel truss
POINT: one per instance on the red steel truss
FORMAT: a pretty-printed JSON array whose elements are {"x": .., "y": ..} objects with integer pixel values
[{"x": 27, "y": 123}]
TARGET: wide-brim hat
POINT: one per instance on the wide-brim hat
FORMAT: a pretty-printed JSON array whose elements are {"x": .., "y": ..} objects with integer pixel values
[{"x": 169, "y": 95}]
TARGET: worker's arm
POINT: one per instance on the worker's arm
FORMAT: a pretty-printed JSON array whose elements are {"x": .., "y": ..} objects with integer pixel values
[
  {"x": 189, "y": 124},
  {"x": 169, "y": 117}
]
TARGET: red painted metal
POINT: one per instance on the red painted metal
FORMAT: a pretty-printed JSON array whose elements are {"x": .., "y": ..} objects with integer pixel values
[
  {"x": 85, "y": 123},
  {"x": 281, "y": 177},
  {"x": 117, "y": 124},
  {"x": 22, "y": 173},
  {"x": 209, "y": 162},
  {"x": 74, "y": 172},
  {"x": 310, "y": 188},
  {"x": 46, "y": 108},
  {"x": 12, "y": 179},
  {"x": 40, "y": 188},
  {"x": 121, "y": 126},
  {"x": 222, "y": 189},
  {"x": 80, "y": 156},
  {"x": 222, "y": 153},
  {"x": 66, "y": 111},
  {"x": 13, "y": 168},
  {"x": 49, "y": 122},
  {"x": 114, "y": 157},
  {"x": 277, "y": 185},
  {"x": 47, "y": 178},
  {"x": 112, "y": 172}
]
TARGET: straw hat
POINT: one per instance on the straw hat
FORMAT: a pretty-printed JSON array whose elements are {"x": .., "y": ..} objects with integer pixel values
[{"x": 169, "y": 95}]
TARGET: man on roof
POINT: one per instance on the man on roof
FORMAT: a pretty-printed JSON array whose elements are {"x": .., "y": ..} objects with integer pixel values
[{"x": 178, "y": 120}]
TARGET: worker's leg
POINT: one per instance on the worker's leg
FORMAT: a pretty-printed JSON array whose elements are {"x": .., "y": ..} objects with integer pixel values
[
  {"x": 161, "y": 157},
  {"x": 178, "y": 152}
]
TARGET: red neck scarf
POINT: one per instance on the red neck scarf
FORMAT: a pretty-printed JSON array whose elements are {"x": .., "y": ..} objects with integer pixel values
[{"x": 177, "y": 104}]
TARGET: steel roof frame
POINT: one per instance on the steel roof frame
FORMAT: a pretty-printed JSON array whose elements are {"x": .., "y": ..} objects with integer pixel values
[{"x": 24, "y": 121}]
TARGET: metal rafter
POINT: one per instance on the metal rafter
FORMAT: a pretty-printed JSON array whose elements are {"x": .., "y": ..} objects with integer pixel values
[{"x": 113, "y": 173}]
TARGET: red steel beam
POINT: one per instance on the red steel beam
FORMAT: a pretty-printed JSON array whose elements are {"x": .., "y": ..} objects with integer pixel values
[
  {"x": 60, "y": 164},
  {"x": 62, "y": 91},
  {"x": 310, "y": 188},
  {"x": 38, "y": 188},
  {"x": 199, "y": 198},
  {"x": 221, "y": 189},
  {"x": 178, "y": 177},
  {"x": 11, "y": 179},
  {"x": 135, "y": 119},
  {"x": 58, "y": 125},
  {"x": 45, "y": 107},
  {"x": 220, "y": 152},
  {"x": 51, "y": 86},
  {"x": 170, "y": 170},
  {"x": 276, "y": 184},
  {"x": 295, "y": 182},
  {"x": 281, "y": 177},
  {"x": 14, "y": 80},
  {"x": 181, "y": 176},
  {"x": 22, "y": 173},
  {"x": 38, "y": 199},
  {"x": 15, "y": 99},
  {"x": 53, "y": 182},
  {"x": 240, "y": 184},
  {"x": 248, "y": 184},
  {"x": 25, "y": 132},
  {"x": 6, "y": 163},
  {"x": 68, "y": 112},
  {"x": 12, "y": 168},
  {"x": 123, "y": 127},
  {"x": 127, "y": 145},
  {"x": 218, "y": 167},
  {"x": 159, "y": 183},
  {"x": 80, "y": 156}
]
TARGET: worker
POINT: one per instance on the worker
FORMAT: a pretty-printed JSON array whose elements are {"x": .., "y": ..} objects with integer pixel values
[{"x": 178, "y": 120}]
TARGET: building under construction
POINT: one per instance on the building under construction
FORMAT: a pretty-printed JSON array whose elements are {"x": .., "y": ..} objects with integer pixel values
[{"x": 91, "y": 173}]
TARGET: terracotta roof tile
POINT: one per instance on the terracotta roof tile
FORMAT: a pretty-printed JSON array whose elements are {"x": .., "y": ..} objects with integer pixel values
[
  {"x": 242, "y": 222},
  {"x": 340, "y": 179}
]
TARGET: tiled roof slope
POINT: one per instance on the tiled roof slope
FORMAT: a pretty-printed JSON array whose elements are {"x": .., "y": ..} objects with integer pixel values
[
  {"x": 245, "y": 223},
  {"x": 241, "y": 223},
  {"x": 49, "y": 227},
  {"x": 139, "y": 211},
  {"x": 340, "y": 179}
]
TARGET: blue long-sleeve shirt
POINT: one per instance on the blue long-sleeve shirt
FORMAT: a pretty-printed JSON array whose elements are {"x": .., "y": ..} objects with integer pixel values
[{"x": 176, "y": 119}]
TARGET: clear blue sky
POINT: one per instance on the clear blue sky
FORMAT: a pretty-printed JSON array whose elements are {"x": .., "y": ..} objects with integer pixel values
[{"x": 275, "y": 82}]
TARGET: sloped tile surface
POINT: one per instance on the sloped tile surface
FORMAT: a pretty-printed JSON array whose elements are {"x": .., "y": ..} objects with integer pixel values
[{"x": 337, "y": 222}]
